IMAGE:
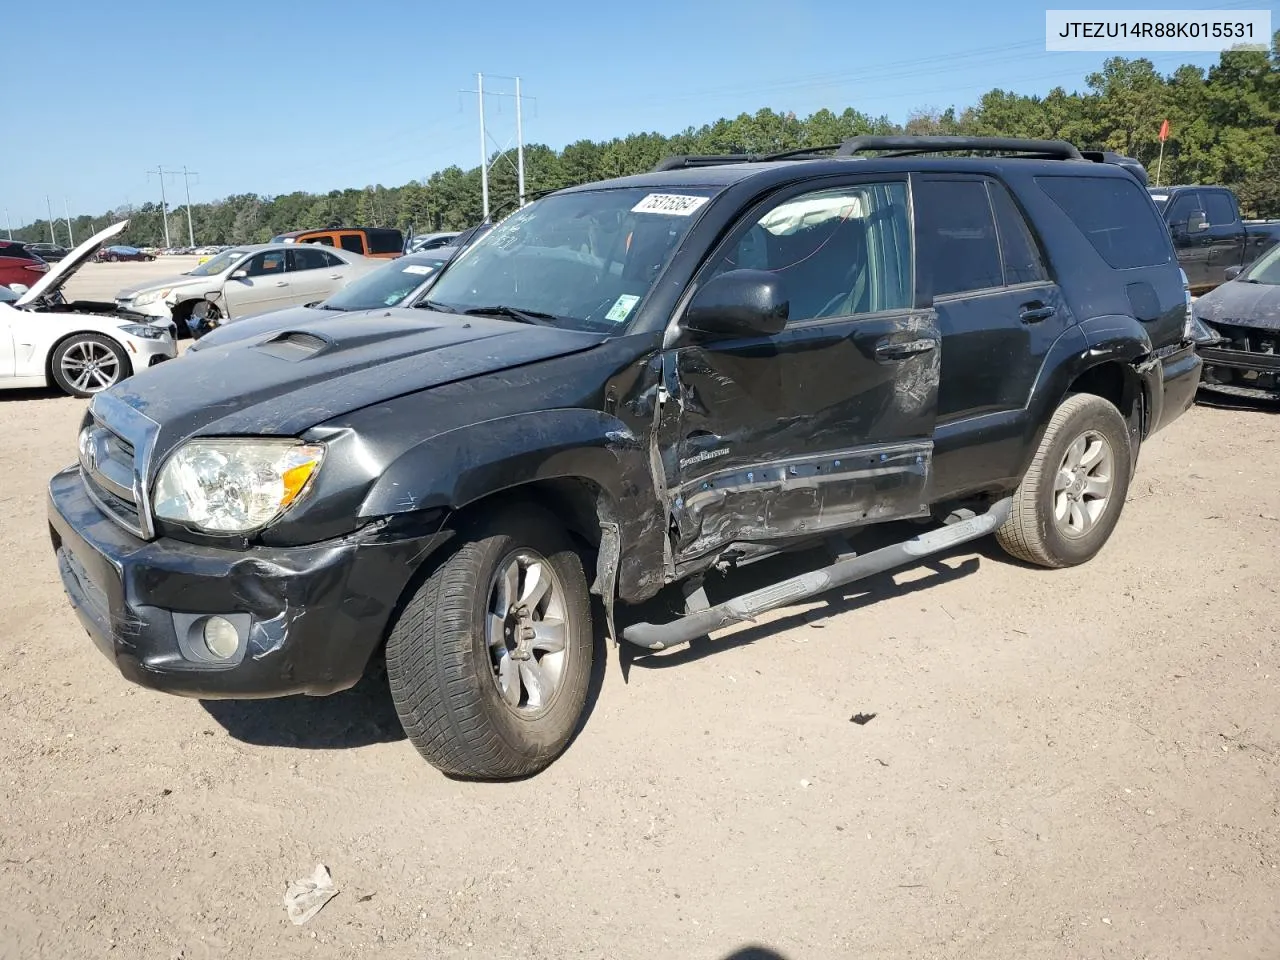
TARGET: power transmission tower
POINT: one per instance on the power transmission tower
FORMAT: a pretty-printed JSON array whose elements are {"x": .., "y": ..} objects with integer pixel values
[
  {"x": 186, "y": 183},
  {"x": 70, "y": 236},
  {"x": 164, "y": 206},
  {"x": 49, "y": 207},
  {"x": 486, "y": 138}
]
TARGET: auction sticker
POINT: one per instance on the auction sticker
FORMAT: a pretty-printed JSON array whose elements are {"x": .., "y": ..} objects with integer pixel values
[
  {"x": 671, "y": 204},
  {"x": 419, "y": 269},
  {"x": 621, "y": 308}
]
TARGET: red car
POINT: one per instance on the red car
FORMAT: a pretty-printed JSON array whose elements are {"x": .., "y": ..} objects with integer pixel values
[
  {"x": 18, "y": 264},
  {"x": 115, "y": 254}
]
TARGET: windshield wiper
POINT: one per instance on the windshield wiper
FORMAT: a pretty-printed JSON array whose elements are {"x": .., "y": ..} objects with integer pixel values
[
  {"x": 435, "y": 305},
  {"x": 514, "y": 313},
  {"x": 325, "y": 306}
]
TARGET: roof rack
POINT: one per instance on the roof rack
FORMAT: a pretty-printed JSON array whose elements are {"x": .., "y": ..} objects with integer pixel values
[{"x": 913, "y": 146}]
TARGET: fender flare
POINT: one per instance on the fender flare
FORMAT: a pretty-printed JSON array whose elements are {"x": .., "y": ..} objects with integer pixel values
[{"x": 458, "y": 468}]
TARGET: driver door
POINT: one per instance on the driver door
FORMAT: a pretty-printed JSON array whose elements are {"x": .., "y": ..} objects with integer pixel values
[
  {"x": 264, "y": 287},
  {"x": 829, "y": 423}
]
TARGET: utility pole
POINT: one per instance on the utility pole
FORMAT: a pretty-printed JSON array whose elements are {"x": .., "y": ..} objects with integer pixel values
[
  {"x": 8, "y": 223},
  {"x": 191, "y": 232},
  {"x": 70, "y": 236},
  {"x": 49, "y": 207},
  {"x": 486, "y": 139},
  {"x": 519, "y": 144},
  {"x": 484, "y": 147},
  {"x": 164, "y": 205}
]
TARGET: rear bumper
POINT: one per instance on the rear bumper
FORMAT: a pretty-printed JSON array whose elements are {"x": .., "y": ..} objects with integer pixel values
[
  {"x": 308, "y": 618},
  {"x": 1172, "y": 385}
]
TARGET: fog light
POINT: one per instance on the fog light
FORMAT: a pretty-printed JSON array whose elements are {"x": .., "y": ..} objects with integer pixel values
[{"x": 220, "y": 637}]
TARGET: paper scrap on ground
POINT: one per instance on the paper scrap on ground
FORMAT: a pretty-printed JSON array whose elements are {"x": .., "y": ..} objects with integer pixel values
[{"x": 305, "y": 897}]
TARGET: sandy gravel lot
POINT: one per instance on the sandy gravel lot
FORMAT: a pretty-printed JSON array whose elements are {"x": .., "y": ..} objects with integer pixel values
[{"x": 1067, "y": 764}]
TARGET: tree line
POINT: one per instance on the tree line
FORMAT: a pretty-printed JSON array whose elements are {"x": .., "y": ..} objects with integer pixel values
[{"x": 1224, "y": 128}]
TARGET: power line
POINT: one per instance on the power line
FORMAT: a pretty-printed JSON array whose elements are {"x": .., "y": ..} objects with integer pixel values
[{"x": 486, "y": 139}]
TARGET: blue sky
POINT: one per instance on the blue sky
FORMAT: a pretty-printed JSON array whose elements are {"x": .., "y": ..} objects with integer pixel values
[{"x": 318, "y": 94}]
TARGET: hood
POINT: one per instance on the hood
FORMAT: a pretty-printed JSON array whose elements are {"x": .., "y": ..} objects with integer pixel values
[
  {"x": 231, "y": 331},
  {"x": 293, "y": 378},
  {"x": 1240, "y": 304},
  {"x": 181, "y": 279},
  {"x": 61, "y": 272}
]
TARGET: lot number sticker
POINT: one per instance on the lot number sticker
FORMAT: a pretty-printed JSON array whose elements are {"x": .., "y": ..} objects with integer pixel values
[
  {"x": 419, "y": 269},
  {"x": 671, "y": 204},
  {"x": 621, "y": 308}
]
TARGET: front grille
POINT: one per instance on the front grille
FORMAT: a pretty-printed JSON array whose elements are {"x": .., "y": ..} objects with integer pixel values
[
  {"x": 115, "y": 449},
  {"x": 1249, "y": 338}
]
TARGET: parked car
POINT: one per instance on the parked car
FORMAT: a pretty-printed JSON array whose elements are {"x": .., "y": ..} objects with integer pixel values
[
  {"x": 624, "y": 387},
  {"x": 378, "y": 242},
  {"x": 20, "y": 264},
  {"x": 48, "y": 252},
  {"x": 46, "y": 341},
  {"x": 120, "y": 254},
  {"x": 1208, "y": 232},
  {"x": 431, "y": 241},
  {"x": 1239, "y": 331},
  {"x": 404, "y": 282},
  {"x": 243, "y": 281}
]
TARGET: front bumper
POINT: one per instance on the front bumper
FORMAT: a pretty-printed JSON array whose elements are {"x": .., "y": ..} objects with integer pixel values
[
  {"x": 145, "y": 353},
  {"x": 308, "y": 618},
  {"x": 1240, "y": 373},
  {"x": 157, "y": 311}
]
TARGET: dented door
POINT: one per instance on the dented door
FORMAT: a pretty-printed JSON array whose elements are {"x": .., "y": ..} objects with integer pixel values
[{"x": 825, "y": 426}]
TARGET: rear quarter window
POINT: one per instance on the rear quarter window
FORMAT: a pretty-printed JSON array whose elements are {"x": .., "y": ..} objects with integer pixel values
[
  {"x": 1116, "y": 216},
  {"x": 385, "y": 241},
  {"x": 17, "y": 251}
]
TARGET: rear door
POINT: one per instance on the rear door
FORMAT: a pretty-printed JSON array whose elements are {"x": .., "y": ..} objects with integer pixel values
[
  {"x": 998, "y": 312},
  {"x": 829, "y": 423},
  {"x": 1225, "y": 236},
  {"x": 314, "y": 274}
]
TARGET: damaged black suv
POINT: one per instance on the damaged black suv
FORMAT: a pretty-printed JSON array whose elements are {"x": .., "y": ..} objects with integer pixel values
[{"x": 623, "y": 386}]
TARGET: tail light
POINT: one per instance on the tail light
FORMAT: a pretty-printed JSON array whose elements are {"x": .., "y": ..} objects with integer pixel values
[
  {"x": 37, "y": 267},
  {"x": 1189, "y": 321}
]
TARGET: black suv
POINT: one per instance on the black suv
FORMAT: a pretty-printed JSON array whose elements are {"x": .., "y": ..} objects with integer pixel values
[{"x": 623, "y": 386}]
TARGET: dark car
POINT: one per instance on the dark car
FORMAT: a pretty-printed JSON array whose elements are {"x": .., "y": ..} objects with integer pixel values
[
  {"x": 1240, "y": 331},
  {"x": 118, "y": 254},
  {"x": 19, "y": 264},
  {"x": 49, "y": 252},
  {"x": 623, "y": 388},
  {"x": 401, "y": 283},
  {"x": 1208, "y": 232}
]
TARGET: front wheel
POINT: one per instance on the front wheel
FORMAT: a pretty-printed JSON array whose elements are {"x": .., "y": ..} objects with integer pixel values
[
  {"x": 202, "y": 318},
  {"x": 89, "y": 363},
  {"x": 1070, "y": 499},
  {"x": 490, "y": 659}
]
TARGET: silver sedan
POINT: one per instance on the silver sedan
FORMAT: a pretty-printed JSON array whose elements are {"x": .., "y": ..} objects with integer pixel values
[{"x": 244, "y": 281}]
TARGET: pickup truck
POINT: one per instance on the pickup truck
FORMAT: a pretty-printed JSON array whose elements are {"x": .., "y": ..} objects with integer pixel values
[
  {"x": 622, "y": 389},
  {"x": 1209, "y": 234}
]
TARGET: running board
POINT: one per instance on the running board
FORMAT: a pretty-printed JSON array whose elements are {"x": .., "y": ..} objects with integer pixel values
[{"x": 661, "y": 636}]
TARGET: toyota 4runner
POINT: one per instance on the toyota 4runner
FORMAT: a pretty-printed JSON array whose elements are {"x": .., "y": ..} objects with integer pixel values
[{"x": 623, "y": 386}]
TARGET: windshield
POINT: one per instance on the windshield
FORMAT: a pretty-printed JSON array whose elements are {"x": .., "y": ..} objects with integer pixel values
[
  {"x": 585, "y": 260},
  {"x": 1266, "y": 269},
  {"x": 386, "y": 286},
  {"x": 215, "y": 265}
]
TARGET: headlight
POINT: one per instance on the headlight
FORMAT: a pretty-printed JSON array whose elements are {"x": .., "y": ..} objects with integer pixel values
[
  {"x": 144, "y": 330},
  {"x": 234, "y": 486},
  {"x": 151, "y": 296}
]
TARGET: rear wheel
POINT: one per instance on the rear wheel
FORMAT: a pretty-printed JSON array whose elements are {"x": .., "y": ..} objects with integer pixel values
[
  {"x": 490, "y": 659},
  {"x": 89, "y": 363},
  {"x": 1071, "y": 497}
]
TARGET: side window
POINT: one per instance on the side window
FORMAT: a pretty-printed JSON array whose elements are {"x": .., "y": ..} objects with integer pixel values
[
  {"x": 840, "y": 252},
  {"x": 324, "y": 240},
  {"x": 958, "y": 248},
  {"x": 331, "y": 261},
  {"x": 306, "y": 258},
  {"x": 266, "y": 264},
  {"x": 1018, "y": 251},
  {"x": 352, "y": 242},
  {"x": 1219, "y": 208},
  {"x": 1184, "y": 205},
  {"x": 385, "y": 241},
  {"x": 1115, "y": 215}
]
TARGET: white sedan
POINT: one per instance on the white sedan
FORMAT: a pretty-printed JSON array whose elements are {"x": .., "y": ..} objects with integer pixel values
[{"x": 78, "y": 347}]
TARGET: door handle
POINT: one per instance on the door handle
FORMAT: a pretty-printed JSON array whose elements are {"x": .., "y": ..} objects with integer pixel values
[
  {"x": 887, "y": 351},
  {"x": 1035, "y": 312},
  {"x": 335, "y": 276},
  {"x": 282, "y": 283}
]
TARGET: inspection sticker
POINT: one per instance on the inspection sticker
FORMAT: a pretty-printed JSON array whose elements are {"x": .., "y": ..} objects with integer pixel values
[
  {"x": 672, "y": 204},
  {"x": 421, "y": 269},
  {"x": 621, "y": 308}
]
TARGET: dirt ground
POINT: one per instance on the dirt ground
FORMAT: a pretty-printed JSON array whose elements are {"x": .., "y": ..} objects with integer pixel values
[{"x": 1067, "y": 764}]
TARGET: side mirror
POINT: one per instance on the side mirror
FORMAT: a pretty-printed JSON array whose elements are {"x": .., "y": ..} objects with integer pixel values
[
  {"x": 240, "y": 275},
  {"x": 739, "y": 303},
  {"x": 1232, "y": 272},
  {"x": 1197, "y": 222}
]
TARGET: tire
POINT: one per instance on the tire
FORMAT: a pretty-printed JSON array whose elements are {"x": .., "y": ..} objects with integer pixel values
[
  {"x": 1087, "y": 441},
  {"x": 448, "y": 682},
  {"x": 88, "y": 363},
  {"x": 112, "y": 258}
]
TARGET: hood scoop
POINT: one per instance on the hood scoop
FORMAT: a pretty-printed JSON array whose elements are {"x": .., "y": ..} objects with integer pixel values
[{"x": 294, "y": 345}]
